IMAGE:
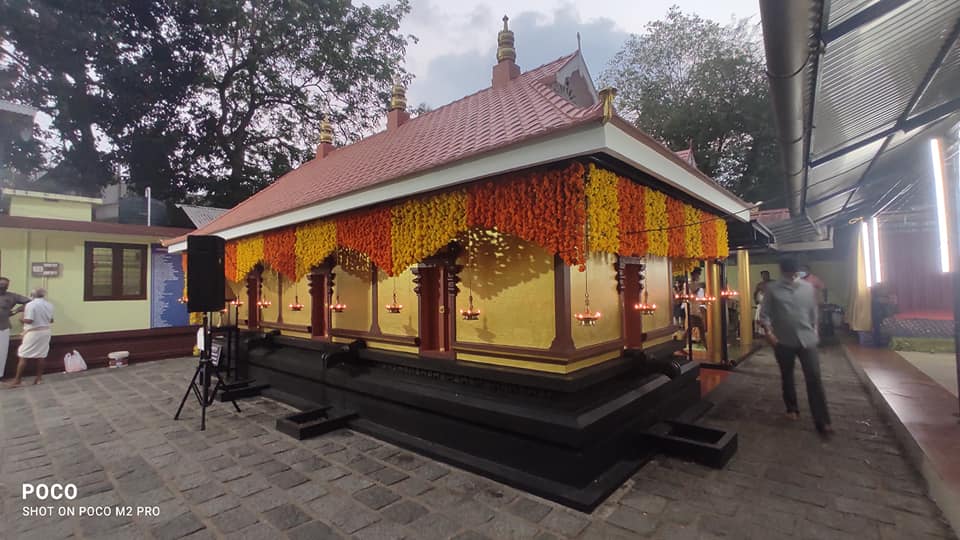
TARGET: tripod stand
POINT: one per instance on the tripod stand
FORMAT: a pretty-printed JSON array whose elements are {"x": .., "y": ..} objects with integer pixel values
[{"x": 207, "y": 367}]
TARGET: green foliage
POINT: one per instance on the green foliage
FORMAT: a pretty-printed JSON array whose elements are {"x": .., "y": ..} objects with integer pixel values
[
  {"x": 207, "y": 100},
  {"x": 687, "y": 79}
]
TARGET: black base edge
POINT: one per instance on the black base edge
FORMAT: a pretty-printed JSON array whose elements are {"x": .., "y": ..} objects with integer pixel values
[{"x": 584, "y": 499}]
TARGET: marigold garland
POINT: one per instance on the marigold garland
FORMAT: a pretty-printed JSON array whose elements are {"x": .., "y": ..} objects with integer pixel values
[
  {"x": 543, "y": 207},
  {"x": 249, "y": 254},
  {"x": 230, "y": 261},
  {"x": 551, "y": 208},
  {"x": 603, "y": 210},
  {"x": 692, "y": 238},
  {"x": 422, "y": 226},
  {"x": 657, "y": 221},
  {"x": 633, "y": 219},
  {"x": 676, "y": 234},
  {"x": 279, "y": 251},
  {"x": 316, "y": 240},
  {"x": 368, "y": 232},
  {"x": 708, "y": 238},
  {"x": 723, "y": 240}
]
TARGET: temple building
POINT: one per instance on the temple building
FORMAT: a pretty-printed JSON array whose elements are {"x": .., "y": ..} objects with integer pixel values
[{"x": 501, "y": 268}]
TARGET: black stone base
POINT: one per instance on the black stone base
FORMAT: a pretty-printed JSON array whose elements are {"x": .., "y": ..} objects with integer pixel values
[{"x": 573, "y": 439}]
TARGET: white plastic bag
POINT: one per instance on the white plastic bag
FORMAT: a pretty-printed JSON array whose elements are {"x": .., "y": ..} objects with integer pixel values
[{"x": 73, "y": 362}]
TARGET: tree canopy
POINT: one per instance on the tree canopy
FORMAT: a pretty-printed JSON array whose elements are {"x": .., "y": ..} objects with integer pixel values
[
  {"x": 203, "y": 100},
  {"x": 687, "y": 80}
]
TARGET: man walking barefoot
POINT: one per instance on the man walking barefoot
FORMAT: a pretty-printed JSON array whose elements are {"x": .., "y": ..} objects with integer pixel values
[
  {"x": 789, "y": 316},
  {"x": 35, "y": 344}
]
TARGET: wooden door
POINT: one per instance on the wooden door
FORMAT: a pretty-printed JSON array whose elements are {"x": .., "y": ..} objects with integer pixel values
[
  {"x": 632, "y": 317},
  {"x": 435, "y": 310}
]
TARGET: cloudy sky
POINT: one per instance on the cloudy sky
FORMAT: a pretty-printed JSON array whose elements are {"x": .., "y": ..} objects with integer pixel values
[{"x": 458, "y": 39}]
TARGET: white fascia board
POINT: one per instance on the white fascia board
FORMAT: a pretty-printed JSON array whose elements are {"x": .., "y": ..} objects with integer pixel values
[
  {"x": 579, "y": 142},
  {"x": 627, "y": 148}
]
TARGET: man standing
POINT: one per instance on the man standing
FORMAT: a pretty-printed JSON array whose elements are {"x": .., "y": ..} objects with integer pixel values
[
  {"x": 7, "y": 301},
  {"x": 789, "y": 316},
  {"x": 758, "y": 293},
  {"x": 35, "y": 344}
]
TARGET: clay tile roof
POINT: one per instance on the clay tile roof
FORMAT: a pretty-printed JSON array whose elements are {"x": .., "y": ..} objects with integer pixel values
[{"x": 490, "y": 119}]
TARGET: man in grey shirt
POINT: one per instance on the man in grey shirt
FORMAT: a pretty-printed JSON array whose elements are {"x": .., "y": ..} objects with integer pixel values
[
  {"x": 7, "y": 302},
  {"x": 789, "y": 316}
]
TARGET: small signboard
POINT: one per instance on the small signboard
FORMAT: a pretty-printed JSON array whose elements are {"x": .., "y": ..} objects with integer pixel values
[
  {"x": 45, "y": 269},
  {"x": 215, "y": 350}
]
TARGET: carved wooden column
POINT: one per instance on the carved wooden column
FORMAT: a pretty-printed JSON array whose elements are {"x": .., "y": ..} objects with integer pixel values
[{"x": 319, "y": 313}]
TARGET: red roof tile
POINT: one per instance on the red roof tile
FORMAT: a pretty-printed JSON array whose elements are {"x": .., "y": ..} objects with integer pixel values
[{"x": 489, "y": 119}]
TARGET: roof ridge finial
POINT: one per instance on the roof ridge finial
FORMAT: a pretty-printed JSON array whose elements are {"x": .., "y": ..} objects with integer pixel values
[
  {"x": 578, "y": 41},
  {"x": 326, "y": 131},
  {"x": 505, "y": 43},
  {"x": 398, "y": 96}
]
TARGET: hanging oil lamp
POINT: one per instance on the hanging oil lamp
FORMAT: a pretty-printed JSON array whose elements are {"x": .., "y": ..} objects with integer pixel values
[
  {"x": 587, "y": 317},
  {"x": 394, "y": 307},
  {"x": 183, "y": 299},
  {"x": 262, "y": 303},
  {"x": 296, "y": 305},
  {"x": 470, "y": 313},
  {"x": 729, "y": 293},
  {"x": 338, "y": 307},
  {"x": 644, "y": 306},
  {"x": 236, "y": 302}
]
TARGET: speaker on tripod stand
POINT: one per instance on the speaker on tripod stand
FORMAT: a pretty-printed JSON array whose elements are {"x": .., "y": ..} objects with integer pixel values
[
  {"x": 205, "y": 288},
  {"x": 205, "y": 280}
]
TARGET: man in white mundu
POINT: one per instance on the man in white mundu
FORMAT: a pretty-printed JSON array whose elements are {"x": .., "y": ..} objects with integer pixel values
[
  {"x": 7, "y": 302},
  {"x": 35, "y": 343}
]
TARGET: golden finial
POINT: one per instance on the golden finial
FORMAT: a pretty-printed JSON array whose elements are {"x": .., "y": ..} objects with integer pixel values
[
  {"x": 606, "y": 96},
  {"x": 505, "y": 49},
  {"x": 398, "y": 97},
  {"x": 326, "y": 131}
]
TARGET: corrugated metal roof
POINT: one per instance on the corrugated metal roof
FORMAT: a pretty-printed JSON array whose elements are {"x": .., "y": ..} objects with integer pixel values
[
  {"x": 869, "y": 75},
  {"x": 886, "y": 80},
  {"x": 201, "y": 215}
]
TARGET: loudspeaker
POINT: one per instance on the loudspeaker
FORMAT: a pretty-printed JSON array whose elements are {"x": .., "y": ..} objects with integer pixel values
[{"x": 205, "y": 279}]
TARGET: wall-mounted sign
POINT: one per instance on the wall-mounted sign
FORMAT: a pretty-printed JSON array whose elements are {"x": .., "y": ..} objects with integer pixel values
[{"x": 45, "y": 269}]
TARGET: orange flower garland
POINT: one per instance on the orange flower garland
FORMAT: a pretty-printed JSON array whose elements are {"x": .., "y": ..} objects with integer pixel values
[
  {"x": 230, "y": 261},
  {"x": 368, "y": 232},
  {"x": 676, "y": 234},
  {"x": 708, "y": 237},
  {"x": 316, "y": 240},
  {"x": 633, "y": 222},
  {"x": 279, "y": 251},
  {"x": 545, "y": 208},
  {"x": 422, "y": 226}
]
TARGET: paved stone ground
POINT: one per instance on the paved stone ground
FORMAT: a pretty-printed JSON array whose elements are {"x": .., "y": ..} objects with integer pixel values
[{"x": 111, "y": 433}]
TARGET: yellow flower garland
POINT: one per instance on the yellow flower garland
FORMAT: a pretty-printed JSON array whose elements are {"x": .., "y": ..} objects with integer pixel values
[
  {"x": 694, "y": 243},
  {"x": 420, "y": 227},
  {"x": 249, "y": 254},
  {"x": 657, "y": 221},
  {"x": 603, "y": 210},
  {"x": 316, "y": 240},
  {"x": 723, "y": 239}
]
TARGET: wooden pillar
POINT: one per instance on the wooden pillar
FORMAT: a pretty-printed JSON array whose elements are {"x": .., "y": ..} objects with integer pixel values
[
  {"x": 714, "y": 331},
  {"x": 745, "y": 294}
]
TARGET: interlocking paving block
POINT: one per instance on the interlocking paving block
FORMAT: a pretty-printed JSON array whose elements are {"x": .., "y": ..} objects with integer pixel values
[
  {"x": 177, "y": 527},
  {"x": 314, "y": 530},
  {"x": 404, "y": 512},
  {"x": 376, "y": 497},
  {"x": 286, "y": 516}
]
